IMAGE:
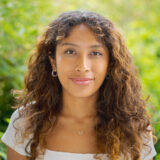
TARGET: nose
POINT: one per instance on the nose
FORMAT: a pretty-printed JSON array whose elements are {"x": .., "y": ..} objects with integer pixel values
[{"x": 82, "y": 64}]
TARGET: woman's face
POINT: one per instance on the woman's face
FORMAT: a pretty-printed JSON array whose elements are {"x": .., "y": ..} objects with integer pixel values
[{"x": 81, "y": 55}]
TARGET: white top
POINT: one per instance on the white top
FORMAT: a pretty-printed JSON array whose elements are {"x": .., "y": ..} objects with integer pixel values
[{"x": 9, "y": 139}]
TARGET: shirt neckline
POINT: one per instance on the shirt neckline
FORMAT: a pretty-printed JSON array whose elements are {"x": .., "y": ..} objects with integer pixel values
[{"x": 60, "y": 152}]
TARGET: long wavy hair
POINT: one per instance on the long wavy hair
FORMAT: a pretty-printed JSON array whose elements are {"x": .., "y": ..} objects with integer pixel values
[{"x": 123, "y": 120}]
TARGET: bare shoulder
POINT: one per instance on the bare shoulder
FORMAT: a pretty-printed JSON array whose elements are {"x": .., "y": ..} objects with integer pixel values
[{"x": 12, "y": 155}]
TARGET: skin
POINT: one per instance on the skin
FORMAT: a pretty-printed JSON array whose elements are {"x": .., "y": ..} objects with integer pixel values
[
  {"x": 81, "y": 60},
  {"x": 83, "y": 56},
  {"x": 12, "y": 155},
  {"x": 86, "y": 57}
]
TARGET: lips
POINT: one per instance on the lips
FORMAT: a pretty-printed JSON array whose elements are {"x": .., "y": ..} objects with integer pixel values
[{"x": 82, "y": 81}]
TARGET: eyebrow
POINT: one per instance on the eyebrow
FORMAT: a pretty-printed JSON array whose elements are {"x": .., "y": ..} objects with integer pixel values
[{"x": 73, "y": 44}]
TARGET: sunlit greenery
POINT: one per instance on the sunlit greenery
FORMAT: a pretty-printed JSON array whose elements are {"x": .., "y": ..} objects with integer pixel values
[{"x": 21, "y": 22}]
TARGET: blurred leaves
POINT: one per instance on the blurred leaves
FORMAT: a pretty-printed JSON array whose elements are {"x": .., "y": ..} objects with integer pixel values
[{"x": 21, "y": 22}]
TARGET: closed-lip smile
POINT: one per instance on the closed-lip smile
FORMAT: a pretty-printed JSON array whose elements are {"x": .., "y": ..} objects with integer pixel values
[{"x": 82, "y": 79}]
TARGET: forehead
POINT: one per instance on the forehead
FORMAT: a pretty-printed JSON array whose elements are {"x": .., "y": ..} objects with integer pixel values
[
  {"x": 81, "y": 33},
  {"x": 81, "y": 28}
]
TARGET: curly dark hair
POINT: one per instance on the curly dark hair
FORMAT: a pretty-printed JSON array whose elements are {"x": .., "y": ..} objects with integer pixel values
[{"x": 120, "y": 107}]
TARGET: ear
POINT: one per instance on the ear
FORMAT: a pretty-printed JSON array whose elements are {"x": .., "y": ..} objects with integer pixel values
[{"x": 53, "y": 63}]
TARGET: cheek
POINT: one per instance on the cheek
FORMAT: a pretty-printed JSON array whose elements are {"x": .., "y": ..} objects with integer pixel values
[
  {"x": 100, "y": 72},
  {"x": 63, "y": 68},
  {"x": 101, "y": 69}
]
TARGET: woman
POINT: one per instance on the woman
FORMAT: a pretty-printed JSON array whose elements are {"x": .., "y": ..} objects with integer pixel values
[{"x": 81, "y": 96}]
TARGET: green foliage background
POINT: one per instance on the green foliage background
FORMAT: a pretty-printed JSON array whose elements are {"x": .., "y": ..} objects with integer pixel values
[{"x": 21, "y": 22}]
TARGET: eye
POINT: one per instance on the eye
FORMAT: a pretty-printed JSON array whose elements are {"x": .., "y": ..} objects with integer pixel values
[
  {"x": 69, "y": 51},
  {"x": 95, "y": 53}
]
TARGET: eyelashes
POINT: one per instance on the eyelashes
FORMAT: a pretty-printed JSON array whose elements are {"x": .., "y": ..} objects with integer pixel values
[
  {"x": 97, "y": 52},
  {"x": 72, "y": 52},
  {"x": 69, "y": 51}
]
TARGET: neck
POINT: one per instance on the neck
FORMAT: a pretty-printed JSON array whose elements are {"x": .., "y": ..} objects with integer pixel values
[{"x": 78, "y": 107}]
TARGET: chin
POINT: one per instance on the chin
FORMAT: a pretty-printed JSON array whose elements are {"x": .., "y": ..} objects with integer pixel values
[{"x": 81, "y": 94}]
